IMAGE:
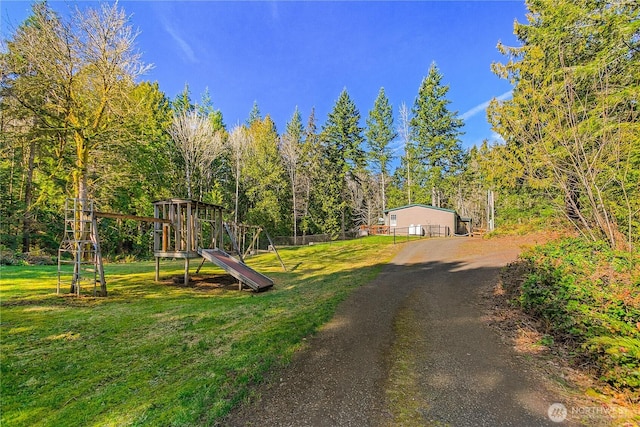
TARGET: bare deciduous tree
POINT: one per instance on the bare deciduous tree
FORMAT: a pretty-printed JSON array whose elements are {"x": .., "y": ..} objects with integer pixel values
[
  {"x": 239, "y": 142},
  {"x": 198, "y": 144},
  {"x": 364, "y": 192},
  {"x": 290, "y": 150},
  {"x": 405, "y": 135}
]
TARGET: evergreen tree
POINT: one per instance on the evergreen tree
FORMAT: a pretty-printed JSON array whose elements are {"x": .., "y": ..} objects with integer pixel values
[
  {"x": 379, "y": 134},
  {"x": 435, "y": 131},
  {"x": 138, "y": 172},
  {"x": 342, "y": 154},
  {"x": 310, "y": 173},
  {"x": 572, "y": 124},
  {"x": 294, "y": 127},
  {"x": 206, "y": 108},
  {"x": 182, "y": 102},
  {"x": 291, "y": 149},
  {"x": 254, "y": 114}
]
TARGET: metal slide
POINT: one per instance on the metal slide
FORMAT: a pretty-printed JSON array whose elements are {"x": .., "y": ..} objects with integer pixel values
[{"x": 242, "y": 272}]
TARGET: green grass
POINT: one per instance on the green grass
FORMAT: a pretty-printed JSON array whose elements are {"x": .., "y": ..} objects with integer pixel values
[{"x": 159, "y": 354}]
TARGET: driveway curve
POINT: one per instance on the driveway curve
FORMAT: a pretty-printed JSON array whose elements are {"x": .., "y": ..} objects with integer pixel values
[{"x": 409, "y": 348}]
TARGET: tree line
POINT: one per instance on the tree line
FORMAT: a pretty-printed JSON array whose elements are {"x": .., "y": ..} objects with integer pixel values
[{"x": 77, "y": 120}]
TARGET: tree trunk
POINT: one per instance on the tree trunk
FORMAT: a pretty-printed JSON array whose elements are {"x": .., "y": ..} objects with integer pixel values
[
  {"x": 408, "y": 182},
  {"x": 28, "y": 199},
  {"x": 188, "y": 176},
  {"x": 572, "y": 200},
  {"x": 82, "y": 161},
  {"x": 306, "y": 211},
  {"x": 384, "y": 196},
  {"x": 295, "y": 225},
  {"x": 237, "y": 191},
  {"x": 81, "y": 193}
]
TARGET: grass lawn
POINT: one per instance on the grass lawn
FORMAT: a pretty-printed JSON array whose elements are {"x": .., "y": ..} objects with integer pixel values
[{"x": 158, "y": 353}]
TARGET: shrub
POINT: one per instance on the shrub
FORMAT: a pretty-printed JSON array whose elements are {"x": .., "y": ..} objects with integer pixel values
[
  {"x": 588, "y": 296},
  {"x": 35, "y": 257}
]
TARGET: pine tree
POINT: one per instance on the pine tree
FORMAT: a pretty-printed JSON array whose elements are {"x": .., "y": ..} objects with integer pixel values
[
  {"x": 291, "y": 150},
  {"x": 342, "y": 154},
  {"x": 206, "y": 108},
  {"x": 182, "y": 102},
  {"x": 379, "y": 134},
  {"x": 436, "y": 130},
  {"x": 311, "y": 171},
  {"x": 254, "y": 114}
]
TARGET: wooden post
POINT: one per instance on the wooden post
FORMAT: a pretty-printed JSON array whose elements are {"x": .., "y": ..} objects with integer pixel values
[
  {"x": 186, "y": 271},
  {"x": 189, "y": 225},
  {"x": 165, "y": 237},
  {"x": 157, "y": 269},
  {"x": 216, "y": 228},
  {"x": 175, "y": 211},
  {"x": 221, "y": 231},
  {"x": 275, "y": 250},
  {"x": 156, "y": 228},
  {"x": 166, "y": 214},
  {"x": 98, "y": 257}
]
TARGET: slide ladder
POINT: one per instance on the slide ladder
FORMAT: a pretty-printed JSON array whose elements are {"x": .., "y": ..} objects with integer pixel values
[{"x": 242, "y": 272}]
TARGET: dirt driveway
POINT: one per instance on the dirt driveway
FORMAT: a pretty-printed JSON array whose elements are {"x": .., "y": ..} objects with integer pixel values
[{"x": 409, "y": 348}]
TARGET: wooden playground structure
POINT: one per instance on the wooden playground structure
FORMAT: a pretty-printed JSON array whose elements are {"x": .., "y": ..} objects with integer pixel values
[{"x": 186, "y": 229}]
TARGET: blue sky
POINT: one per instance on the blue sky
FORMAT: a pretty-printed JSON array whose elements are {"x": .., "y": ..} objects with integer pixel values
[{"x": 288, "y": 54}]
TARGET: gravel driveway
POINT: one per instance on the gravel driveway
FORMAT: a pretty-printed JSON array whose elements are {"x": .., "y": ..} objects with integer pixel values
[{"x": 409, "y": 348}]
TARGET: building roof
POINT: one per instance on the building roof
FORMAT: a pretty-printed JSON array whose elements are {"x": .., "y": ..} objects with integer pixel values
[{"x": 420, "y": 206}]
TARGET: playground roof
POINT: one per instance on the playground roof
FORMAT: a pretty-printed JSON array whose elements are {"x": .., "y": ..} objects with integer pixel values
[{"x": 191, "y": 201}]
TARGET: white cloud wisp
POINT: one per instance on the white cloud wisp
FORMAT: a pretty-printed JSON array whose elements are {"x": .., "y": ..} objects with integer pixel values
[{"x": 482, "y": 107}]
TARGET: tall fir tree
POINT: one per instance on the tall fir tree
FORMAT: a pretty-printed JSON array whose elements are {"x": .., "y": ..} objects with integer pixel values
[
  {"x": 342, "y": 154},
  {"x": 254, "y": 114},
  {"x": 206, "y": 108},
  {"x": 436, "y": 131},
  {"x": 311, "y": 171},
  {"x": 291, "y": 150},
  {"x": 182, "y": 102},
  {"x": 380, "y": 133}
]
